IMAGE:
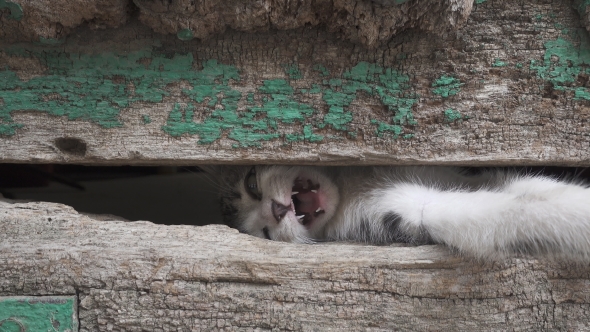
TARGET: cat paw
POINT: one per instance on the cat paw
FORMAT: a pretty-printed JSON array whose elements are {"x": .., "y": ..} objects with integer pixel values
[{"x": 403, "y": 209}]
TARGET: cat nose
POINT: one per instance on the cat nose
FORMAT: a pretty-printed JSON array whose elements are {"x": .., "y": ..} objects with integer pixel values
[{"x": 279, "y": 210}]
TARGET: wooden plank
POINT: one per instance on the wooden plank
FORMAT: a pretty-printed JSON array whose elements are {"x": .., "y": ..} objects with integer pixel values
[
  {"x": 508, "y": 88},
  {"x": 38, "y": 313},
  {"x": 138, "y": 276},
  {"x": 370, "y": 23}
]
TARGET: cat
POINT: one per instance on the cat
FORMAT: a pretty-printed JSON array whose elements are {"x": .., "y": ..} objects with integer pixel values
[{"x": 489, "y": 215}]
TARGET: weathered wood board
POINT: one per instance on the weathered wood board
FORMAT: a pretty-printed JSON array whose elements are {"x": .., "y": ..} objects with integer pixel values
[
  {"x": 138, "y": 276},
  {"x": 509, "y": 87}
]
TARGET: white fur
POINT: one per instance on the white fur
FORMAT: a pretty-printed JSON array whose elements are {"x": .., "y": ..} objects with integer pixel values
[{"x": 485, "y": 216}]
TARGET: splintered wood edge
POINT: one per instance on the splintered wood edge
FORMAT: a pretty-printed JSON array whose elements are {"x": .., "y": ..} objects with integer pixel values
[{"x": 370, "y": 23}]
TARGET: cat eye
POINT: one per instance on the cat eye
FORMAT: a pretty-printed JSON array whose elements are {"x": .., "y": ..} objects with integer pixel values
[{"x": 251, "y": 185}]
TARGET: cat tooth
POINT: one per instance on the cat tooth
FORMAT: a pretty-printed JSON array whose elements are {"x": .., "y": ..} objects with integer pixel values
[
  {"x": 314, "y": 191},
  {"x": 300, "y": 217},
  {"x": 294, "y": 193},
  {"x": 319, "y": 209}
]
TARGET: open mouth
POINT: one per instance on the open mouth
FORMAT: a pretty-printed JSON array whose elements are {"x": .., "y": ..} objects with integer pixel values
[{"x": 305, "y": 200}]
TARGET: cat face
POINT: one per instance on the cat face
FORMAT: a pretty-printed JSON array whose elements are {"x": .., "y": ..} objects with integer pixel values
[{"x": 280, "y": 203}]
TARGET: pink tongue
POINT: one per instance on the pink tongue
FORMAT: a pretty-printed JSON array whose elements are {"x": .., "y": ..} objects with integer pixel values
[{"x": 307, "y": 202}]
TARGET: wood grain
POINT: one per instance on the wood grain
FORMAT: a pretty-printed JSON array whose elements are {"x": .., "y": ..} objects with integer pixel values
[
  {"x": 138, "y": 276},
  {"x": 509, "y": 88}
]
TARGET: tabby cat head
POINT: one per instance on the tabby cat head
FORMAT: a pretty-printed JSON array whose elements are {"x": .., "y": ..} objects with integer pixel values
[{"x": 280, "y": 203}]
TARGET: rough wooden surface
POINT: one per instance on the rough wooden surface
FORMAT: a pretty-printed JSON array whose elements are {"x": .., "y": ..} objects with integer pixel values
[
  {"x": 510, "y": 87},
  {"x": 583, "y": 7},
  {"x": 138, "y": 276},
  {"x": 368, "y": 22}
]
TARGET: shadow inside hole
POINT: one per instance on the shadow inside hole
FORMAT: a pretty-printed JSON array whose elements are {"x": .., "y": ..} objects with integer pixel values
[
  {"x": 71, "y": 145},
  {"x": 163, "y": 195}
]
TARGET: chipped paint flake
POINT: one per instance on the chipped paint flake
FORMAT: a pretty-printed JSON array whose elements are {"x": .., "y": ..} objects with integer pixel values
[
  {"x": 446, "y": 86},
  {"x": 452, "y": 115},
  {"x": 564, "y": 62}
]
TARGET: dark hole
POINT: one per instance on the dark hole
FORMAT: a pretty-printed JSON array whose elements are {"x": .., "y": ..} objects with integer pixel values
[
  {"x": 550, "y": 92},
  {"x": 71, "y": 145},
  {"x": 164, "y": 194}
]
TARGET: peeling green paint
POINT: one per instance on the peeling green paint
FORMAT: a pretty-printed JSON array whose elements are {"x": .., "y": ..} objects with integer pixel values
[
  {"x": 322, "y": 70},
  {"x": 307, "y": 135},
  {"x": 185, "y": 34},
  {"x": 389, "y": 85},
  {"x": 292, "y": 70},
  {"x": 16, "y": 11},
  {"x": 564, "y": 62},
  {"x": 9, "y": 128},
  {"x": 499, "y": 63},
  {"x": 244, "y": 127},
  {"x": 315, "y": 88},
  {"x": 335, "y": 82},
  {"x": 452, "y": 115},
  {"x": 559, "y": 26},
  {"x": 581, "y": 94},
  {"x": 337, "y": 117},
  {"x": 384, "y": 127},
  {"x": 446, "y": 86},
  {"x": 568, "y": 65},
  {"x": 518, "y": 65},
  {"x": 86, "y": 87},
  {"x": 38, "y": 314},
  {"x": 477, "y": 2},
  {"x": 281, "y": 106},
  {"x": 96, "y": 87}
]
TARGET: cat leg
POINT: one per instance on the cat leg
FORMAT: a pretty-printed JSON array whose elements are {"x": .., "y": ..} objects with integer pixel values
[{"x": 533, "y": 213}]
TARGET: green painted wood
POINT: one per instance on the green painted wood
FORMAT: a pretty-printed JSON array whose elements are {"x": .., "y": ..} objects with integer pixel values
[
  {"x": 500, "y": 91},
  {"x": 38, "y": 313},
  {"x": 94, "y": 88}
]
